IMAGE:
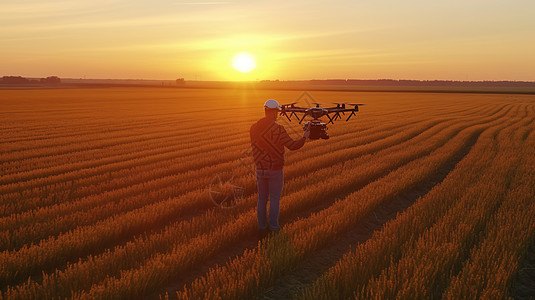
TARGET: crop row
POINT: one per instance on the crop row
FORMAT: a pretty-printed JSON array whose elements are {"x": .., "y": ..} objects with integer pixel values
[
  {"x": 149, "y": 223},
  {"x": 509, "y": 233},
  {"x": 93, "y": 149},
  {"x": 352, "y": 142},
  {"x": 106, "y": 141},
  {"x": 439, "y": 252},
  {"x": 301, "y": 201},
  {"x": 68, "y": 135},
  {"x": 368, "y": 260},
  {"x": 240, "y": 277},
  {"x": 187, "y": 199},
  {"x": 82, "y": 239},
  {"x": 85, "y": 217},
  {"x": 100, "y": 137},
  {"x": 95, "y": 161},
  {"x": 52, "y": 197},
  {"x": 57, "y": 159},
  {"x": 52, "y": 136}
]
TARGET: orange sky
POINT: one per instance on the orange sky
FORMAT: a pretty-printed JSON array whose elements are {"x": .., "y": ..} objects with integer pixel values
[{"x": 166, "y": 39}]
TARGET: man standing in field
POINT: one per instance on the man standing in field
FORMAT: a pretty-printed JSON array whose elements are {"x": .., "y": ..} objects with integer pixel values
[{"x": 268, "y": 140}]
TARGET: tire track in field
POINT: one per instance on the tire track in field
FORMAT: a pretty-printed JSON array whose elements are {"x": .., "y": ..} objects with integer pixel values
[
  {"x": 220, "y": 259},
  {"x": 306, "y": 273}
]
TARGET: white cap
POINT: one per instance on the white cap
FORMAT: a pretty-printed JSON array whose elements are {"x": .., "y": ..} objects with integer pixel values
[{"x": 273, "y": 104}]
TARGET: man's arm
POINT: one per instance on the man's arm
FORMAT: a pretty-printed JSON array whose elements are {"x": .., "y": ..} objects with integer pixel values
[{"x": 290, "y": 143}]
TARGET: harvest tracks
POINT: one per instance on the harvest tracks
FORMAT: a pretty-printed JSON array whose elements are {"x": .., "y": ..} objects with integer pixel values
[{"x": 104, "y": 193}]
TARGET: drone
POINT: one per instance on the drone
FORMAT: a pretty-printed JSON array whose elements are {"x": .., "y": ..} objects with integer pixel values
[{"x": 317, "y": 128}]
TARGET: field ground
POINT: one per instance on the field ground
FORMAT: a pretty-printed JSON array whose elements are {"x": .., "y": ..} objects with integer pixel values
[{"x": 118, "y": 192}]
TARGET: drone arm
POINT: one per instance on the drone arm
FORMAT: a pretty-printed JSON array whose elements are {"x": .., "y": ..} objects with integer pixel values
[
  {"x": 286, "y": 115},
  {"x": 304, "y": 115},
  {"x": 352, "y": 114},
  {"x": 330, "y": 119}
]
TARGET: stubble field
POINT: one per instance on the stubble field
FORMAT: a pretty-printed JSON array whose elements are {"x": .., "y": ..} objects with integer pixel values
[{"x": 150, "y": 192}]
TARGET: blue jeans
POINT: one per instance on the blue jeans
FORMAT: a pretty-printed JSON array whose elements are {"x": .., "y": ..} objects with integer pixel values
[{"x": 269, "y": 184}]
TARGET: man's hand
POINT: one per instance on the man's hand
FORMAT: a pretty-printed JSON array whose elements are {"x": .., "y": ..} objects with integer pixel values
[{"x": 306, "y": 134}]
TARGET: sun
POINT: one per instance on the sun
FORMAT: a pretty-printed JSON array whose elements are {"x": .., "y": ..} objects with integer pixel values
[{"x": 243, "y": 62}]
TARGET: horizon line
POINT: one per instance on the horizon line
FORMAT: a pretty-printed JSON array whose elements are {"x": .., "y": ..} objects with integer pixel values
[{"x": 275, "y": 80}]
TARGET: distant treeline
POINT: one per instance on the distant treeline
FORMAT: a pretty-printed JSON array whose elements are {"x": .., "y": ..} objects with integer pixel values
[
  {"x": 22, "y": 80},
  {"x": 393, "y": 82}
]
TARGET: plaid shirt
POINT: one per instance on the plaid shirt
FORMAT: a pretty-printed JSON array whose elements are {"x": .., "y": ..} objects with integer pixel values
[{"x": 268, "y": 140}]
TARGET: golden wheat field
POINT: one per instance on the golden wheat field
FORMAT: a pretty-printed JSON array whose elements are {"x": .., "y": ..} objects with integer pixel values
[{"x": 117, "y": 193}]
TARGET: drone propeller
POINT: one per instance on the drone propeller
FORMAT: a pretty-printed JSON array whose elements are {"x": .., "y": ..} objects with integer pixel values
[
  {"x": 340, "y": 105},
  {"x": 354, "y": 110},
  {"x": 289, "y": 104}
]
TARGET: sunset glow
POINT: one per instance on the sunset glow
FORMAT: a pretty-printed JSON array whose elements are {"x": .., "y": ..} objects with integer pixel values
[
  {"x": 458, "y": 40},
  {"x": 243, "y": 62}
]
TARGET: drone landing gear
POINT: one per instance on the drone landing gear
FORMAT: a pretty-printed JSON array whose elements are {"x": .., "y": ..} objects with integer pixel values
[{"x": 317, "y": 130}]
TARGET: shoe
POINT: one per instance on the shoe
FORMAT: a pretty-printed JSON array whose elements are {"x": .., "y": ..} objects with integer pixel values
[{"x": 262, "y": 233}]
